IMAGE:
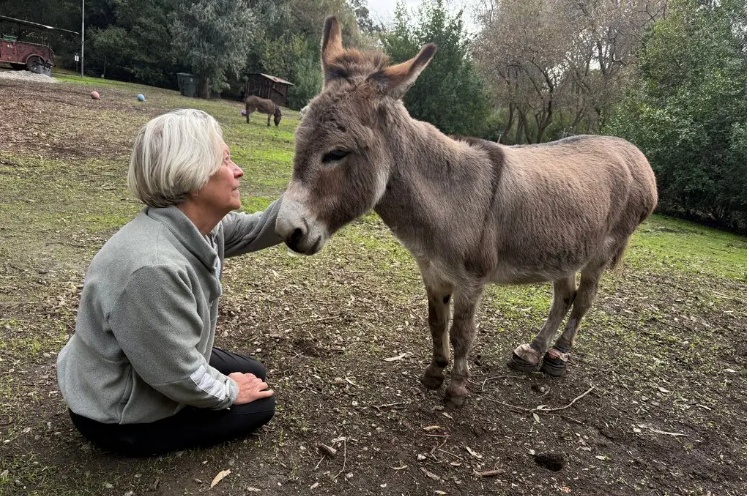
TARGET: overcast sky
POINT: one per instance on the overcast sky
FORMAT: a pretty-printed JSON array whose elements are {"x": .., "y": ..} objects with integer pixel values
[{"x": 384, "y": 10}]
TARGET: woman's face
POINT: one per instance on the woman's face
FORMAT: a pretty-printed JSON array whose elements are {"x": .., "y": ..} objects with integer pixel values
[{"x": 221, "y": 193}]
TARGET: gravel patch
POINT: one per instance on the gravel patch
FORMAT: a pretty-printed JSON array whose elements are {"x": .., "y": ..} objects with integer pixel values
[{"x": 26, "y": 76}]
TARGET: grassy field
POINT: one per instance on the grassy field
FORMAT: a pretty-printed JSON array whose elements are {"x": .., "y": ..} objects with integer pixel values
[{"x": 664, "y": 346}]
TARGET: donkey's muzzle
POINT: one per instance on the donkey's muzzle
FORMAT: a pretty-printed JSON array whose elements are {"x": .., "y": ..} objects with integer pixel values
[
  {"x": 300, "y": 244},
  {"x": 298, "y": 233}
]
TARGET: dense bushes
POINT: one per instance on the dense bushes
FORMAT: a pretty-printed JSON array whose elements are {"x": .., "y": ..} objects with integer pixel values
[{"x": 688, "y": 111}]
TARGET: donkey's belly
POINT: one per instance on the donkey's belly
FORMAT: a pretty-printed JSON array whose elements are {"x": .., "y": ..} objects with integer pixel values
[
  {"x": 542, "y": 262},
  {"x": 506, "y": 274}
]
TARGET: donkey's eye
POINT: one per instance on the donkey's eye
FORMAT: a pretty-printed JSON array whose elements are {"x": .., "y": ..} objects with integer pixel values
[{"x": 334, "y": 156}]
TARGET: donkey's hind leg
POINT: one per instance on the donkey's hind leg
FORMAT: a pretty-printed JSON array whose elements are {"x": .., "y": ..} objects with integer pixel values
[
  {"x": 526, "y": 358},
  {"x": 555, "y": 360},
  {"x": 439, "y": 293},
  {"x": 462, "y": 335}
]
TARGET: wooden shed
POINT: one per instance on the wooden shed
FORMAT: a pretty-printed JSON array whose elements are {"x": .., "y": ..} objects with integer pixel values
[{"x": 270, "y": 87}]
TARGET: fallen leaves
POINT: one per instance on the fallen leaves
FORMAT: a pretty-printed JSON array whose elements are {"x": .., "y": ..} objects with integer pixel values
[
  {"x": 473, "y": 453},
  {"x": 395, "y": 358},
  {"x": 430, "y": 474},
  {"x": 328, "y": 450},
  {"x": 219, "y": 477},
  {"x": 489, "y": 473}
]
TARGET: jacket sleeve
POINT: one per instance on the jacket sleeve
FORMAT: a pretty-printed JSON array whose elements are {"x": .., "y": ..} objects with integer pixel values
[
  {"x": 158, "y": 327},
  {"x": 244, "y": 233}
]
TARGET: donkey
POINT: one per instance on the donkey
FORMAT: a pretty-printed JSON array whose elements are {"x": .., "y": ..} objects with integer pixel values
[
  {"x": 470, "y": 211},
  {"x": 253, "y": 103}
]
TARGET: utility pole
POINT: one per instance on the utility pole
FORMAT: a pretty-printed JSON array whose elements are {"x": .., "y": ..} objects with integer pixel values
[{"x": 83, "y": 30}]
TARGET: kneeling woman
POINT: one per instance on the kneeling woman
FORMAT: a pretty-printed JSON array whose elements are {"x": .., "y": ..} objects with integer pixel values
[{"x": 141, "y": 375}]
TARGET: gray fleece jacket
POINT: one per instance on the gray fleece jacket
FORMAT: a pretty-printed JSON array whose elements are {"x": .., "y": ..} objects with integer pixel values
[{"x": 147, "y": 317}]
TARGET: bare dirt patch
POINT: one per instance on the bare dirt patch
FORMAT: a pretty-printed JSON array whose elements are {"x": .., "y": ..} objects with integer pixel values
[{"x": 654, "y": 402}]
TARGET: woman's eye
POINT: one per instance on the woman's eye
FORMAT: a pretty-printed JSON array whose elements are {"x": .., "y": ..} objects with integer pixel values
[{"x": 335, "y": 155}]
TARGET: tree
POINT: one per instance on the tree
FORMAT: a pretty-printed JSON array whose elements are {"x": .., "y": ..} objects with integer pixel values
[
  {"x": 365, "y": 22},
  {"x": 689, "y": 112},
  {"x": 213, "y": 38},
  {"x": 122, "y": 43},
  {"x": 558, "y": 67},
  {"x": 450, "y": 94},
  {"x": 287, "y": 41}
]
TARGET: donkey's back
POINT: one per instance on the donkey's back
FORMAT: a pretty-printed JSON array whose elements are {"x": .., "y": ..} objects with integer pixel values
[{"x": 255, "y": 103}]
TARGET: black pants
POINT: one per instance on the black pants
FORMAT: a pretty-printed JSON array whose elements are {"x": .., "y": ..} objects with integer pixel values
[{"x": 191, "y": 427}]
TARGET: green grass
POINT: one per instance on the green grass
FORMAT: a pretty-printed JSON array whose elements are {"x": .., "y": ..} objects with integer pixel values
[
  {"x": 96, "y": 82},
  {"x": 667, "y": 244}
]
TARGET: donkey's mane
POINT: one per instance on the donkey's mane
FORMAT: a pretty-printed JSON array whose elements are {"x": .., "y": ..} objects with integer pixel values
[{"x": 353, "y": 64}]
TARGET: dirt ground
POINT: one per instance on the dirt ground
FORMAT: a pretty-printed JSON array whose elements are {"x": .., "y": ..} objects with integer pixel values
[{"x": 654, "y": 402}]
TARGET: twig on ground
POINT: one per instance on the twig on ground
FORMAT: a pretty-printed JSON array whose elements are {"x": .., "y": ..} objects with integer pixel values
[
  {"x": 565, "y": 417},
  {"x": 387, "y": 405},
  {"x": 489, "y": 473},
  {"x": 344, "y": 460},
  {"x": 439, "y": 446},
  {"x": 518, "y": 409},
  {"x": 430, "y": 474},
  {"x": 543, "y": 408},
  {"x": 483, "y": 383},
  {"x": 658, "y": 431},
  {"x": 328, "y": 450},
  {"x": 447, "y": 452}
]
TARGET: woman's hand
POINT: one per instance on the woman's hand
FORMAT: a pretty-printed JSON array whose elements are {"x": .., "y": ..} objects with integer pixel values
[{"x": 251, "y": 388}]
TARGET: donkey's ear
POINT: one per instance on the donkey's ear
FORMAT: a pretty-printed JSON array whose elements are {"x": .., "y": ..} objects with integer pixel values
[
  {"x": 397, "y": 79},
  {"x": 332, "y": 44}
]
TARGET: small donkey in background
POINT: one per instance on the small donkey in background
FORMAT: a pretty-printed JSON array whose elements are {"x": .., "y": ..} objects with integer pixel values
[
  {"x": 254, "y": 103},
  {"x": 471, "y": 212}
]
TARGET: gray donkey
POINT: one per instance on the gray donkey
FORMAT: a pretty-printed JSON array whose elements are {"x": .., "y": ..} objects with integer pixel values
[
  {"x": 254, "y": 103},
  {"x": 470, "y": 211}
]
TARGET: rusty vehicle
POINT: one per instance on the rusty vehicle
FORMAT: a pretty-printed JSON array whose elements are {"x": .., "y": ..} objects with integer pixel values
[{"x": 26, "y": 45}]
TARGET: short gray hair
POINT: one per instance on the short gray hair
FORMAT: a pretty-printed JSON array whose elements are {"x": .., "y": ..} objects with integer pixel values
[{"x": 173, "y": 155}]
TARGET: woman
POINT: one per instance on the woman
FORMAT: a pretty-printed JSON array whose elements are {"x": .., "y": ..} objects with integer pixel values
[{"x": 140, "y": 375}]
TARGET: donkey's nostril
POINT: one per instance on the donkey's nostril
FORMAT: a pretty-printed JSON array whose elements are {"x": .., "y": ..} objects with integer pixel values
[{"x": 296, "y": 236}]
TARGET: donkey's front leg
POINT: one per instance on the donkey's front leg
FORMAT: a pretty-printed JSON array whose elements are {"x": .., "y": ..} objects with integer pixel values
[
  {"x": 438, "y": 293},
  {"x": 462, "y": 334}
]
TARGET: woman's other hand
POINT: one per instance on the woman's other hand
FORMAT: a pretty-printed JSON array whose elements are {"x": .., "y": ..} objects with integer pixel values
[{"x": 251, "y": 388}]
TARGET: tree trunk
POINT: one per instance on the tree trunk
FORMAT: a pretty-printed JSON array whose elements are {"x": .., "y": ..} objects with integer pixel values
[
  {"x": 504, "y": 134},
  {"x": 205, "y": 88}
]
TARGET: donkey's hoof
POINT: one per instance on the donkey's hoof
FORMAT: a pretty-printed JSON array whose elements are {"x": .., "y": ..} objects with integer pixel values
[
  {"x": 555, "y": 367},
  {"x": 521, "y": 365},
  {"x": 457, "y": 396},
  {"x": 432, "y": 381}
]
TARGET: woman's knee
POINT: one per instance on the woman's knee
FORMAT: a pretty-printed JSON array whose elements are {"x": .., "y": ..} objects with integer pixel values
[{"x": 227, "y": 362}]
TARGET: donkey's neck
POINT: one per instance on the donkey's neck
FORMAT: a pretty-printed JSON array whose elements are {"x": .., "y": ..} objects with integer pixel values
[{"x": 434, "y": 181}]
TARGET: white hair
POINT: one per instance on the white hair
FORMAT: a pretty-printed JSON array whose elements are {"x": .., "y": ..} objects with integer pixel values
[{"x": 173, "y": 155}]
